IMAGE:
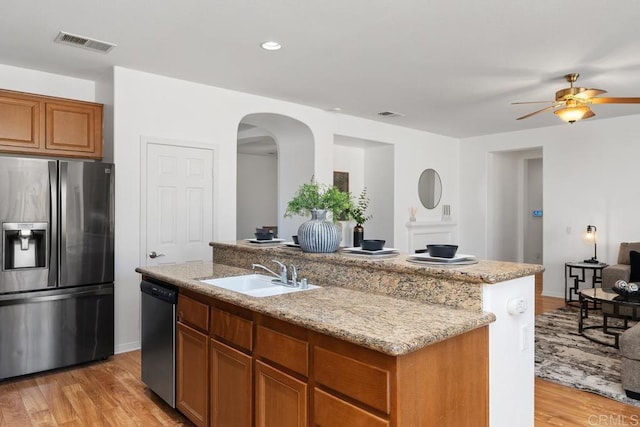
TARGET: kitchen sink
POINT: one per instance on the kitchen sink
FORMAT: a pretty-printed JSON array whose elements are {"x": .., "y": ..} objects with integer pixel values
[{"x": 255, "y": 285}]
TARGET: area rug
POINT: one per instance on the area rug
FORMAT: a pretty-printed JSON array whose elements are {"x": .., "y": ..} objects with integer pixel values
[{"x": 565, "y": 357}]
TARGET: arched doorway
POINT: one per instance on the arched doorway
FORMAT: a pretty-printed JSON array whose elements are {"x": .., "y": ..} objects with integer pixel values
[{"x": 293, "y": 160}]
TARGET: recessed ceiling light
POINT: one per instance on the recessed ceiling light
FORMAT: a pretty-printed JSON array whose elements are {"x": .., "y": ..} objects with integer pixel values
[{"x": 270, "y": 45}]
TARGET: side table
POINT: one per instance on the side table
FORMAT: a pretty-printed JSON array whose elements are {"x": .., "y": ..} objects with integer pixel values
[{"x": 575, "y": 273}]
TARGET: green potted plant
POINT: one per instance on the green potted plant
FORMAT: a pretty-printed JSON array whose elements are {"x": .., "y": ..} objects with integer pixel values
[
  {"x": 312, "y": 198},
  {"x": 358, "y": 212}
]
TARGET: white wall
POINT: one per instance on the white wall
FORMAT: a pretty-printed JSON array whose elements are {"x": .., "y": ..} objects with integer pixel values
[
  {"x": 502, "y": 191},
  {"x": 41, "y": 83},
  {"x": 506, "y": 204},
  {"x": 379, "y": 173},
  {"x": 370, "y": 164},
  {"x": 157, "y": 106},
  {"x": 257, "y": 193},
  {"x": 104, "y": 95},
  {"x": 533, "y": 225},
  {"x": 589, "y": 171},
  {"x": 295, "y": 143},
  {"x": 349, "y": 159}
]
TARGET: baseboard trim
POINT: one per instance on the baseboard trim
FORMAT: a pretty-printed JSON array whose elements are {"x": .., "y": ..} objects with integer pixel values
[
  {"x": 552, "y": 294},
  {"x": 127, "y": 347}
]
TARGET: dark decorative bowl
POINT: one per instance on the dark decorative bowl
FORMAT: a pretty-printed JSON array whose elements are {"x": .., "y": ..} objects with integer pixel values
[
  {"x": 442, "y": 251},
  {"x": 295, "y": 239},
  {"x": 372, "y": 245},
  {"x": 264, "y": 235},
  {"x": 626, "y": 294}
]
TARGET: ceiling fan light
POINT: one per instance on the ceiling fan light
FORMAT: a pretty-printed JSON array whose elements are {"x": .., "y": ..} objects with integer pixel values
[{"x": 573, "y": 114}]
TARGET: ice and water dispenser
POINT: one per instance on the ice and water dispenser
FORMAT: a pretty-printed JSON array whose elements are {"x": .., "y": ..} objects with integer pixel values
[{"x": 24, "y": 245}]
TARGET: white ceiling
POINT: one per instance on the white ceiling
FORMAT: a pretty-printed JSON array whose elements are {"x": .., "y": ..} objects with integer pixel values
[{"x": 451, "y": 66}]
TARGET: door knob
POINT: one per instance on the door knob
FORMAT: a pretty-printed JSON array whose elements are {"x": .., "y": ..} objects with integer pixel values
[{"x": 153, "y": 254}]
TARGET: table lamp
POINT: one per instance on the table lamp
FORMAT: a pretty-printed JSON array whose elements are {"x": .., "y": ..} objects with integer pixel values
[{"x": 591, "y": 235}]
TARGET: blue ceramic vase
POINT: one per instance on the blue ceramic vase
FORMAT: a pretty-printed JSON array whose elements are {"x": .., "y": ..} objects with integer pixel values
[{"x": 319, "y": 235}]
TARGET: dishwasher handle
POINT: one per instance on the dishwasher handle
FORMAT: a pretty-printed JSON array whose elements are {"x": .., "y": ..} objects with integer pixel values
[{"x": 160, "y": 292}]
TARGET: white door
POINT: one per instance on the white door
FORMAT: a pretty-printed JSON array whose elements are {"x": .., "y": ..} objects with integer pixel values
[{"x": 179, "y": 207}]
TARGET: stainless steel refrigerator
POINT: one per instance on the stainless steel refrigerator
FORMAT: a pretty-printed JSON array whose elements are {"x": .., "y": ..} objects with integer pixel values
[{"x": 56, "y": 278}]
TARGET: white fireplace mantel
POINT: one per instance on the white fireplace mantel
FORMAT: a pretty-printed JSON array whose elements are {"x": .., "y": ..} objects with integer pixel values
[{"x": 422, "y": 233}]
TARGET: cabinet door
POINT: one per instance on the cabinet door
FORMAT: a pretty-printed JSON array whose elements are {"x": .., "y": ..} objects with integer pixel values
[
  {"x": 192, "y": 374},
  {"x": 21, "y": 123},
  {"x": 281, "y": 400},
  {"x": 231, "y": 375},
  {"x": 74, "y": 128}
]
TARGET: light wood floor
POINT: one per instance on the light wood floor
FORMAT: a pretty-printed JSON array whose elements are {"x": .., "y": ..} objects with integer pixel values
[
  {"x": 107, "y": 393},
  {"x": 557, "y": 405},
  {"x": 110, "y": 393}
]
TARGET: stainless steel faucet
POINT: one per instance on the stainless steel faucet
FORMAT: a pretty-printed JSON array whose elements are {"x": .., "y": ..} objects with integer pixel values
[
  {"x": 283, "y": 272},
  {"x": 294, "y": 275},
  {"x": 282, "y": 276},
  {"x": 267, "y": 269}
]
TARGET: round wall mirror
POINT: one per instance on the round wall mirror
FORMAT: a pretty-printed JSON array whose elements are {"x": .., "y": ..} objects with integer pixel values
[{"x": 430, "y": 188}]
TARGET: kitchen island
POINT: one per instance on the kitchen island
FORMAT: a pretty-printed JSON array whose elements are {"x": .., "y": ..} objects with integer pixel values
[{"x": 387, "y": 314}]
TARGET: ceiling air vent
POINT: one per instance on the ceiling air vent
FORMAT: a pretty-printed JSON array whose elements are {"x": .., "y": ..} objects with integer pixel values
[
  {"x": 390, "y": 114},
  {"x": 84, "y": 42}
]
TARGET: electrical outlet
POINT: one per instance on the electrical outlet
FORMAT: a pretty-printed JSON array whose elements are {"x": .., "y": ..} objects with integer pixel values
[{"x": 516, "y": 306}]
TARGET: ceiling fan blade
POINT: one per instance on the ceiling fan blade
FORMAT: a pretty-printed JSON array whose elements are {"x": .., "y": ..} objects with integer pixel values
[
  {"x": 532, "y": 102},
  {"x": 615, "y": 101},
  {"x": 551, "y": 107},
  {"x": 589, "y": 93},
  {"x": 588, "y": 114}
]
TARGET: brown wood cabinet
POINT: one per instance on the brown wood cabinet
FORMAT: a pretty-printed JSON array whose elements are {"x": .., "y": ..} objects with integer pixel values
[
  {"x": 192, "y": 385},
  {"x": 231, "y": 391},
  {"x": 241, "y": 368},
  {"x": 47, "y": 126},
  {"x": 281, "y": 400},
  {"x": 192, "y": 360}
]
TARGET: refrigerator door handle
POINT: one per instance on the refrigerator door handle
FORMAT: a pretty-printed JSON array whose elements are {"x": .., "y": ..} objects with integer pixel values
[
  {"x": 52, "y": 280},
  {"x": 54, "y": 295},
  {"x": 64, "y": 172}
]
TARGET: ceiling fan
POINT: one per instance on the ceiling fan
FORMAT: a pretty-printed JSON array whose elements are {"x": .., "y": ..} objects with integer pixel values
[{"x": 575, "y": 101}]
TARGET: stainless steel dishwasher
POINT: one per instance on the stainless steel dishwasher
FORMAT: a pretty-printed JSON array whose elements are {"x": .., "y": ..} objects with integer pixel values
[{"x": 158, "y": 336}]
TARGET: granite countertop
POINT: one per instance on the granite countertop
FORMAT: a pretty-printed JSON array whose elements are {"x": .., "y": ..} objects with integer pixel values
[
  {"x": 390, "y": 325},
  {"x": 485, "y": 271}
]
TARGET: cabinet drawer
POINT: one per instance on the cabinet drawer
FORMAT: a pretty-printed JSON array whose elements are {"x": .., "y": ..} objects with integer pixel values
[
  {"x": 232, "y": 328},
  {"x": 193, "y": 312},
  {"x": 364, "y": 382},
  {"x": 282, "y": 349},
  {"x": 327, "y": 409}
]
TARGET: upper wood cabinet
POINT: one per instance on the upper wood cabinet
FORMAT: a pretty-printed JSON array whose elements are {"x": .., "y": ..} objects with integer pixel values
[{"x": 41, "y": 125}]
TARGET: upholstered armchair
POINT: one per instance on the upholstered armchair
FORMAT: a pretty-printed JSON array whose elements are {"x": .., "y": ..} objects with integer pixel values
[
  {"x": 621, "y": 270},
  {"x": 630, "y": 367}
]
